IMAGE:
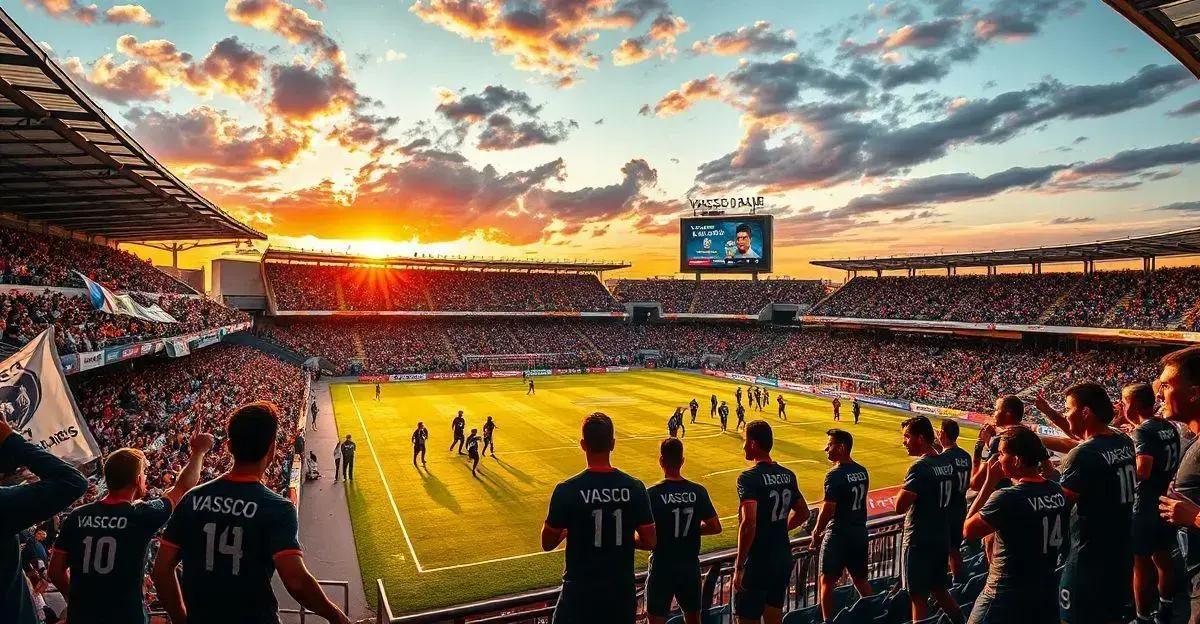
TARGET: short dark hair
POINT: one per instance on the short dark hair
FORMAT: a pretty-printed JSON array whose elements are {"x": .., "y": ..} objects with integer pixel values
[
  {"x": 1094, "y": 397},
  {"x": 251, "y": 429},
  {"x": 1025, "y": 444},
  {"x": 1187, "y": 361},
  {"x": 743, "y": 227},
  {"x": 759, "y": 432},
  {"x": 950, "y": 428},
  {"x": 122, "y": 467},
  {"x": 598, "y": 432},
  {"x": 1013, "y": 404},
  {"x": 840, "y": 436},
  {"x": 671, "y": 450},
  {"x": 1139, "y": 395},
  {"x": 919, "y": 426}
]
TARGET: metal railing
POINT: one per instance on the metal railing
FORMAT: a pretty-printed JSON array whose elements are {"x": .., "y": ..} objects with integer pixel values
[{"x": 536, "y": 607}]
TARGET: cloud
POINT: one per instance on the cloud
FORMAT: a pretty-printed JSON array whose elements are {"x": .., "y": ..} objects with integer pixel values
[
  {"x": 508, "y": 117},
  {"x": 1015, "y": 21},
  {"x": 1071, "y": 220},
  {"x": 922, "y": 36},
  {"x": 215, "y": 143},
  {"x": 948, "y": 188},
  {"x": 660, "y": 42},
  {"x": 157, "y": 65},
  {"x": 130, "y": 14},
  {"x": 392, "y": 56},
  {"x": 302, "y": 93},
  {"x": 761, "y": 38},
  {"x": 1186, "y": 206},
  {"x": 1137, "y": 160},
  {"x": 1187, "y": 110},
  {"x": 291, "y": 23},
  {"x": 549, "y": 38},
  {"x": 681, "y": 99}
]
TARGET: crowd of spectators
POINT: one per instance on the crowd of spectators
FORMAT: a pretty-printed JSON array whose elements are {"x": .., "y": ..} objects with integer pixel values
[
  {"x": 155, "y": 405},
  {"x": 311, "y": 287},
  {"x": 1165, "y": 299},
  {"x": 718, "y": 296},
  {"x": 36, "y": 259},
  {"x": 81, "y": 328}
]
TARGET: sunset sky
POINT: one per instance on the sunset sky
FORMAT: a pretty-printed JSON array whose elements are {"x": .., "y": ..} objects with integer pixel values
[{"x": 579, "y": 128}]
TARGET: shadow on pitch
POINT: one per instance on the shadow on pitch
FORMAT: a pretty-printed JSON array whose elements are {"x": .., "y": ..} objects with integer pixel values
[
  {"x": 514, "y": 471},
  {"x": 438, "y": 491}
]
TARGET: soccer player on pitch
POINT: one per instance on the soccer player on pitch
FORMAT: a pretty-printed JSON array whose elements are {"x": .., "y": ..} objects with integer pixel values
[
  {"x": 419, "y": 437},
  {"x": 1028, "y": 520},
  {"x": 738, "y": 395},
  {"x": 741, "y": 414},
  {"x": 723, "y": 412},
  {"x": 682, "y": 513},
  {"x": 603, "y": 514},
  {"x": 489, "y": 433},
  {"x": 782, "y": 406},
  {"x": 1099, "y": 475},
  {"x": 99, "y": 558},
  {"x": 530, "y": 390},
  {"x": 840, "y": 536},
  {"x": 377, "y": 391},
  {"x": 947, "y": 438},
  {"x": 712, "y": 410},
  {"x": 458, "y": 426},
  {"x": 233, "y": 534},
  {"x": 694, "y": 406},
  {"x": 856, "y": 409},
  {"x": 837, "y": 408},
  {"x": 1157, "y": 445},
  {"x": 771, "y": 506},
  {"x": 925, "y": 500},
  {"x": 473, "y": 450}
]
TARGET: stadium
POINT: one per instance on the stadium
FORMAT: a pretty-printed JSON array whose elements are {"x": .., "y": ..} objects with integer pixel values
[{"x": 366, "y": 357}]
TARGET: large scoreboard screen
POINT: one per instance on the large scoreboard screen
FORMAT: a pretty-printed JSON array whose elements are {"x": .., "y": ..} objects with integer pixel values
[{"x": 725, "y": 244}]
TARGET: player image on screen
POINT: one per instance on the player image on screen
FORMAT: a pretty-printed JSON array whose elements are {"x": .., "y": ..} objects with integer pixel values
[
  {"x": 742, "y": 243},
  {"x": 726, "y": 244}
]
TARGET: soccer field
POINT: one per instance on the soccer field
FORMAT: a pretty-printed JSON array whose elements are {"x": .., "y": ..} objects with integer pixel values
[{"x": 439, "y": 537}]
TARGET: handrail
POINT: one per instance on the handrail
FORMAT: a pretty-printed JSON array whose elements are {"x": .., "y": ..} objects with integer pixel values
[{"x": 539, "y": 603}]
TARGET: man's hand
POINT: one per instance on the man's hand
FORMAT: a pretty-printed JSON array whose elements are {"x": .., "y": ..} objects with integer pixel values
[
  {"x": 5, "y": 430},
  {"x": 992, "y": 472},
  {"x": 985, "y": 433},
  {"x": 1181, "y": 513},
  {"x": 739, "y": 578},
  {"x": 1042, "y": 404},
  {"x": 200, "y": 443}
]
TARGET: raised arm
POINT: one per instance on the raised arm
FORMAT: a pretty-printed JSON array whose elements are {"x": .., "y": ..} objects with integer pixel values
[
  {"x": 59, "y": 484},
  {"x": 1052, "y": 414},
  {"x": 199, "y": 445}
]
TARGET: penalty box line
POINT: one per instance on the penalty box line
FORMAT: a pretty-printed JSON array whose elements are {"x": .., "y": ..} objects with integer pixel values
[{"x": 412, "y": 551}]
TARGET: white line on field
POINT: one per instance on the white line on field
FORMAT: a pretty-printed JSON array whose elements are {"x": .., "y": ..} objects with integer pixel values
[
  {"x": 386, "y": 488},
  {"x": 792, "y": 461}
]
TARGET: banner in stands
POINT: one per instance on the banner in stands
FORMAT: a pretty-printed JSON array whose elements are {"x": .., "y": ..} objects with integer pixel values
[
  {"x": 714, "y": 373},
  {"x": 566, "y": 371},
  {"x": 506, "y": 373},
  {"x": 69, "y": 363},
  {"x": 597, "y": 370},
  {"x": 882, "y": 502},
  {"x": 542, "y": 372},
  {"x": 1098, "y": 332},
  {"x": 372, "y": 378},
  {"x": 479, "y": 374},
  {"x": 885, "y": 402},
  {"x": 35, "y": 399},
  {"x": 767, "y": 381},
  {"x": 407, "y": 377},
  {"x": 88, "y": 361},
  {"x": 104, "y": 300},
  {"x": 616, "y": 369},
  {"x": 177, "y": 347},
  {"x": 741, "y": 377},
  {"x": 806, "y": 388},
  {"x": 539, "y": 372}
]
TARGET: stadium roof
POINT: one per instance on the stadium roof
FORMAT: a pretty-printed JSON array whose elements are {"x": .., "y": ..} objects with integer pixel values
[
  {"x": 64, "y": 162},
  {"x": 277, "y": 254},
  {"x": 1177, "y": 243},
  {"x": 1174, "y": 24}
]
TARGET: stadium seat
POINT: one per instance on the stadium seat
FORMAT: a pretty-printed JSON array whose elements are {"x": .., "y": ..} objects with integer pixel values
[
  {"x": 678, "y": 619},
  {"x": 719, "y": 615},
  {"x": 975, "y": 585},
  {"x": 866, "y": 609},
  {"x": 807, "y": 615}
]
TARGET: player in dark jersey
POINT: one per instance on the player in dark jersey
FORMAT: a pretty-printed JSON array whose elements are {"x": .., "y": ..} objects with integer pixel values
[
  {"x": 712, "y": 409},
  {"x": 694, "y": 406},
  {"x": 741, "y": 415},
  {"x": 530, "y": 390},
  {"x": 723, "y": 412},
  {"x": 233, "y": 534},
  {"x": 840, "y": 537},
  {"x": 419, "y": 437},
  {"x": 1100, "y": 477},
  {"x": 99, "y": 558},
  {"x": 782, "y": 406},
  {"x": 675, "y": 423},
  {"x": 856, "y": 409},
  {"x": 1178, "y": 387},
  {"x": 1028, "y": 519},
  {"x": 1008, "y": 412},
  {"x": 473, "y": 450},
  {"x": 837, "y": 408},
  {"x": 458, "y": 426},
  {"x": 603, "y": 514},
  {"x": 682, "y": 513},
  {"x": 489, "y": 434},
  {"x": 1157, "y": 447},
  {"x": 947, "y": 437},
  {"x": 377, "y": 391},
  {"x": 771, "y": 506},
  {"x": 925, "y": 499},
  {"x": 738, "y": 395}
]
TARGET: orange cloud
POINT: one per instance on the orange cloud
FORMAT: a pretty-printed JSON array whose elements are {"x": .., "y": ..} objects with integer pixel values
[
  {"x": 90, "y": 13},
  {"x": 287, "y": 21},
  {"x": 122, "y": 83},
  {"x": 130, "y": 14},
  {"x": 692, "y": 91}
]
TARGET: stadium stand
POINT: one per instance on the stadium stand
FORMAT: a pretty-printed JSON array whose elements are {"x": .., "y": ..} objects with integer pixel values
[{"x": 717, "y": 296}]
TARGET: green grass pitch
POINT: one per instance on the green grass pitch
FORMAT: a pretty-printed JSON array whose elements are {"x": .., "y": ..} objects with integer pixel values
[{"x": 441, "y": 537}]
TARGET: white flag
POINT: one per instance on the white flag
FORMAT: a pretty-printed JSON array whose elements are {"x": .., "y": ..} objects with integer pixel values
[{"x": 35, "y": 399}]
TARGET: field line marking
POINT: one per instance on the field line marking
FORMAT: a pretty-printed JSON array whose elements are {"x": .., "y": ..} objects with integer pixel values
[
  {"x": 488, "y": 561},
  {"x": 386, "y": 488},
  {"x": 790, "y": 461}
]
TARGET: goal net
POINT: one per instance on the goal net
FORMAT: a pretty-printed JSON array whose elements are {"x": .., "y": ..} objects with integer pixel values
[
  {"x": 521, "y": 361},
  {"x": 855, "y": 383}
]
